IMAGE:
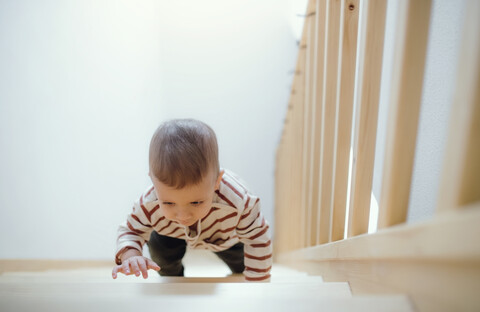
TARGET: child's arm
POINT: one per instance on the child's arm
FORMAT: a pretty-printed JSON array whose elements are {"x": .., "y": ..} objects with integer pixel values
[
  {"x": 253, "y": 231},
  {"x": 132, "y": 235},
  {"x": 136, "y": 230},
  {"x": 134, "y": 263}
]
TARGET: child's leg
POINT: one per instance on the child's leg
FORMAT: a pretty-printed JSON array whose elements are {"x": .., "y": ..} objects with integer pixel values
[
  {"x": 167, "y": 252},
  {"x": 233, "y": 257}
]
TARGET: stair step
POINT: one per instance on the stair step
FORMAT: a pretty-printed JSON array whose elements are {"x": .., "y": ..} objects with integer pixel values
[
  {"x": 105, "y": 276},
  {"x": 140, "y": 290},
  {"x": 280, "y": 274},
  {"x": 307, "y": 279},
  {"x": 81, "y": 302}
]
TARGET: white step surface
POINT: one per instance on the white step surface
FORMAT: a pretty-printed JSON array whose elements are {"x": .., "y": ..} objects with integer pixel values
[
  {"x": 139, "y": 290},
  {"x": 207, "y": 287},
  {"x": 104, "y": 275},
  {"x": 94, "y": 290},
  {"x": 189, "y": 303}
]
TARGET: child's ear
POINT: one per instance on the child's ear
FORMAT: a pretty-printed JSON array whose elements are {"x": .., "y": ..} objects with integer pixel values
[{"x": 219, "y": 179}]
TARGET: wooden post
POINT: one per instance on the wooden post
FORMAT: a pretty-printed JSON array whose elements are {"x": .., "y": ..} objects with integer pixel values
[
  {"x": 291, "y": 207},
  {"x": 313, "y": 199},
  {"x": 328, "y": 119},
  {"x": 370, "y": 72},
  {"x": 343, "y": 123},
  {"x": 412, "y": 35},
  {"x": 298, "y": 112},
  {"x": 309, "y": 121},
  {"x": 461, "y": 170}
]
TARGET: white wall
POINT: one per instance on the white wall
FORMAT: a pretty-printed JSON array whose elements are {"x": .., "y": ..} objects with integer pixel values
[{"x": 83, "y": 84}]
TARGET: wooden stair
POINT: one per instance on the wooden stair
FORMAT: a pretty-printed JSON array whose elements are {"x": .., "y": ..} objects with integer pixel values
[
  {"x": 93, "y": 289},
  {"x": 300, "y": 294}
]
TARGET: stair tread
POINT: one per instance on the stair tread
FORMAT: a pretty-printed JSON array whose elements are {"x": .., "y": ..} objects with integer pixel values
[
  {"x": 105, "y": 276},
  {"x": 196, "y": 274},
  {"x": 112, "y": 289},
  {"x": 80, "y": 302}
]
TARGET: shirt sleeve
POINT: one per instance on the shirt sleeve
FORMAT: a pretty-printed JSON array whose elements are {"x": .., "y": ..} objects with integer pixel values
[
  {"x": 136, "y": 230},
  {"x": 253, "y": 232}
]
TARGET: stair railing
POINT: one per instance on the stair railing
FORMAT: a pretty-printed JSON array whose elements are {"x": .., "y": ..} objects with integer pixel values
[{"x": 334, "y": 102}]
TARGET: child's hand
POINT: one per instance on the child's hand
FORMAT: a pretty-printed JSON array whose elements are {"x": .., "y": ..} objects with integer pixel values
[{"x": 135, "y": 265}]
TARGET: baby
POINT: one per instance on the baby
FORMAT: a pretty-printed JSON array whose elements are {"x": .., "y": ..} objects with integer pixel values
[{"x": 194, "y": 203}]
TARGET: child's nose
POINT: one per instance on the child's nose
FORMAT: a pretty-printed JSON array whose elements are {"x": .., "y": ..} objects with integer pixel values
[{"x": 183, "y": 214}]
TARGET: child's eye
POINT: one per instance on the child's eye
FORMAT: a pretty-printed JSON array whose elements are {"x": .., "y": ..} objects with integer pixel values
[
  {"x": 196, "y": 203},
  {"x": 167, "y": 203}
]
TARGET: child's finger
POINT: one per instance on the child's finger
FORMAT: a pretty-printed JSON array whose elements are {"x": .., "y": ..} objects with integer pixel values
[
  {"x": 114, "y": 272},
  {"x": 135, "y": 268},
  {"x": 152, "y": 265},
  {"x": 143, "y": 267},
  {"x": 126, "y": 267}
]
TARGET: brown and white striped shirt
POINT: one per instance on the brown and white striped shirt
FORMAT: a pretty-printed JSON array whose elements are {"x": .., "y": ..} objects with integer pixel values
[{"x": 234, "y": 217}]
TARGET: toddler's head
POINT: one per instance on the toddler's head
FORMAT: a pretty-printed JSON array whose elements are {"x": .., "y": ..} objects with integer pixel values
[{"x": 184, "y": 168}]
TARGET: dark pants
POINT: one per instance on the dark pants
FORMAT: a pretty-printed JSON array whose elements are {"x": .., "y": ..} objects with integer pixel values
[{"x": 168, "y": 253}]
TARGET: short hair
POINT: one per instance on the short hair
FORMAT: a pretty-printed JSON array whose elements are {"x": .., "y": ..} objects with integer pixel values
[{"x": 183, "y": 152}]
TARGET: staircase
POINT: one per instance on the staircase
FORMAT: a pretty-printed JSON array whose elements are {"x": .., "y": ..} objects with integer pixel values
[{"x": 93, "y": 289}]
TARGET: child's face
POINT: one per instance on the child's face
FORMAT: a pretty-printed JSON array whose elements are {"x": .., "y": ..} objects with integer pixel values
[{"x": 189, "y": 204}]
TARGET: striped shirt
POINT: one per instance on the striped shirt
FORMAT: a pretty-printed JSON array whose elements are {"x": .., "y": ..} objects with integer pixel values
[{"x": 234, "y": 217}]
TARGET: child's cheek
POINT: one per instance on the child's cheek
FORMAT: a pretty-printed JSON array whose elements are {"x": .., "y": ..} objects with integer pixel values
[{"x": 166, "y": 212}]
